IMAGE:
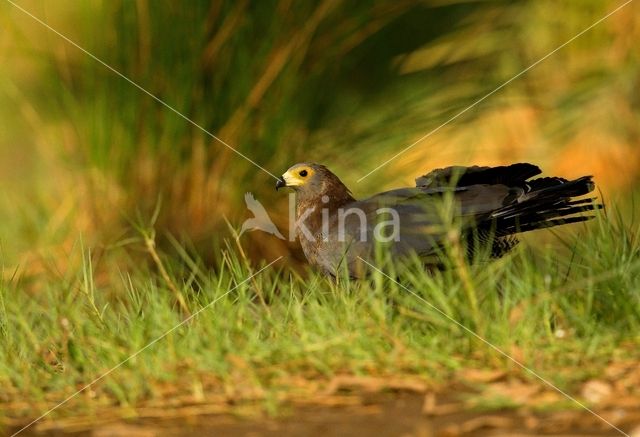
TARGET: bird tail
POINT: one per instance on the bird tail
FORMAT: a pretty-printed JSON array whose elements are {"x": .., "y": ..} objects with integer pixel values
[{"x": 548, "y": 202}]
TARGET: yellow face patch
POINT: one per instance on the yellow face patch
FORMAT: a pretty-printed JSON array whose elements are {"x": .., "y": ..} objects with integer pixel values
[{"x": 297, "y": 175}]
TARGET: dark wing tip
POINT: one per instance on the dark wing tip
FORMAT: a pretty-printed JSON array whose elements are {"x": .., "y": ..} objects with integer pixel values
[{"x": 514, "y": 174}]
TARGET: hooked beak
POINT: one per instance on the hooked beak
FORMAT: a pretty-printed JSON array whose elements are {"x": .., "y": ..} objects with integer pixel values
[{"x": 281, "y": 183}]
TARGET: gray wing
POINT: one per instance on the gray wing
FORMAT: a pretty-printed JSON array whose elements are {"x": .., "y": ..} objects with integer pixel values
[{"x": 410, "y": 220}]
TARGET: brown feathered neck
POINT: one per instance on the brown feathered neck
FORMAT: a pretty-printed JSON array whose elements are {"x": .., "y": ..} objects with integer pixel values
[{"x": 326, "y": 192}]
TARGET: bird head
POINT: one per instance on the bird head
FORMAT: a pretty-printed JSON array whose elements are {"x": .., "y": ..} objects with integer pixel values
[
  {"x": 303, "y": 176},
  {"x": 310, "y": 179}
]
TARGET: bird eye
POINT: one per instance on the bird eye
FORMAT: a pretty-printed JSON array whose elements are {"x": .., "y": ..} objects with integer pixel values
[{"x": 303, "y": 173}]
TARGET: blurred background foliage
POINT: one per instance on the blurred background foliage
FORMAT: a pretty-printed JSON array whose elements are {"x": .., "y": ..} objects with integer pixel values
[{"x": 348, "y": 84}]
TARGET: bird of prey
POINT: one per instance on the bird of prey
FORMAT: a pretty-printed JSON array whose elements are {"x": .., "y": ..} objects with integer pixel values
[
  {"x": 487, "y": 204},
  {"x": 260, "y": 219}
]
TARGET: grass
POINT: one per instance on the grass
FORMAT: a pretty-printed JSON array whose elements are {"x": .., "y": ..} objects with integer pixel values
[
  {"x": 83, "y": 286},
  {"x": 311, "y": 329}
]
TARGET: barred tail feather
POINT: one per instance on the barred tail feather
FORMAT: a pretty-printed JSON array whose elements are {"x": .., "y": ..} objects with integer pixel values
[{"x": 550, "y": 205}]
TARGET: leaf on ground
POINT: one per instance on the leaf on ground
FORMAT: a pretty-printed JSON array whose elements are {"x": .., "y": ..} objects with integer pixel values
[
  {"x": 516, "y": 391},
  {"x": 481, "y": 375},
  {"x": 596, "y": 391},
  {"x": 478, "y": 423},
  {"x": 371, "y": 384}
]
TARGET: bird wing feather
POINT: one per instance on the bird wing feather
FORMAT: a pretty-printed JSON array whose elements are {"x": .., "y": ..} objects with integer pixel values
[{"x": 515, "y": 174}]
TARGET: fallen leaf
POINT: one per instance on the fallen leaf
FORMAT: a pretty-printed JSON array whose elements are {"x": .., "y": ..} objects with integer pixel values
[
  {"x": 596, "y": 391},
  {"x": 481, "y": 375},
  {"x": 514, "y": 390}
]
